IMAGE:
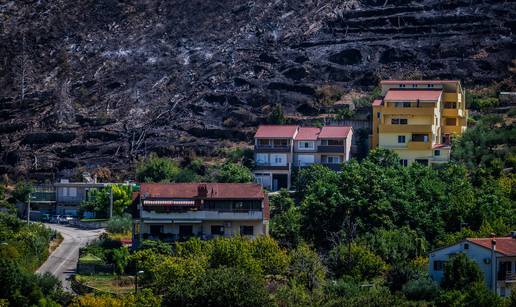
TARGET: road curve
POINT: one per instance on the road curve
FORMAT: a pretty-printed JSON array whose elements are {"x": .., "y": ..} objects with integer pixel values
[{"x": 63, "y": 261}]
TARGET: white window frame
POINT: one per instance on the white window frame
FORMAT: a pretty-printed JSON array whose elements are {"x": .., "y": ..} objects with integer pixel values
[
  {"x": 404, "y": 139},
  {"x": 337, "y": 158},
  {"x": 404, "y": 162},
  {"x": 260, "y": 161},
  {"x": 72, "y": 192},
  {"x": 311, "y": 143}
]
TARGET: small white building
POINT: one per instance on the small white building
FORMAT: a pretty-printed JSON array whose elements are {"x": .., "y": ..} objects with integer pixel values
[{"x": 496, "y": 257}]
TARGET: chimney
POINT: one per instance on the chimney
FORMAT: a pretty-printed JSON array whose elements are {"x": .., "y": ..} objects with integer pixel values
[
  {"x": 202, "y": 191},
  {"x": 493, "y": 263}
]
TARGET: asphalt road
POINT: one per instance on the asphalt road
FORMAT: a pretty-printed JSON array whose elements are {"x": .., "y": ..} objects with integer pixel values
[{"x": 63, "y": 261}]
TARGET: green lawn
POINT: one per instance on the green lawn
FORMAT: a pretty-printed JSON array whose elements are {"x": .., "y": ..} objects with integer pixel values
[
  {"x": 94, "y": 220},
  {"x": 108, "y": 283}
]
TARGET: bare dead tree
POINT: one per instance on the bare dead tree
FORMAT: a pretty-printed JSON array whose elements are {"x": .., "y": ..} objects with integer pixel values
[
  {"x": 65, "y": 109},
  {"x": 23, "y": 70}
]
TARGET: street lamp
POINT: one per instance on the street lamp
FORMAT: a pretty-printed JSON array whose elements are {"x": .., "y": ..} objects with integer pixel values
[{"x": 136, "y": 281}]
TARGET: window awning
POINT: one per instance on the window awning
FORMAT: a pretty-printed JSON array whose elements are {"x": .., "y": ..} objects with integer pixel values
[
  {"x": 187, "y": 222},
  {"x": 182, "y": 203}
]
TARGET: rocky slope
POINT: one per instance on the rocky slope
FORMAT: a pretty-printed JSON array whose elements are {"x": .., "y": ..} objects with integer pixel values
[{"x": 89, "y": 83}]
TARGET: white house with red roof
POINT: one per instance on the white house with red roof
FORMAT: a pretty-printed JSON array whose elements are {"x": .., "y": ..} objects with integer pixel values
[
  {"x": 496, "y": 257},
  {"x": 279, "y": 149}
]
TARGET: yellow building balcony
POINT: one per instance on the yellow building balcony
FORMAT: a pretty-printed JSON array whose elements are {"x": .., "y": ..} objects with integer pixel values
[
  {"x": 412, "y": 145},
  {"x": 406, "y": 128},
  {"x": 452, "y": 129},
  {"x": 408, "y": 111},
  {"x": 451, "y": 97},
  {"x": 453, "y": 113}
]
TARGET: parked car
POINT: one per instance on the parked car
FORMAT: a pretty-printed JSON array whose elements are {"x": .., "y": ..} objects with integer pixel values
[
  {"x": 64, "y": 219},
  {"x": 45, "y": 218},
  {"x": 55, "y": 219}
]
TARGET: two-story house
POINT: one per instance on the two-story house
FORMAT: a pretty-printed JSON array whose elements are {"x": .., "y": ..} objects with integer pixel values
[
  {"x": 281, "y": 148},
  {"x": 496, "y": 258},
  {"x": 177, "y": 211},
  {"x": 418, "y": 119}
]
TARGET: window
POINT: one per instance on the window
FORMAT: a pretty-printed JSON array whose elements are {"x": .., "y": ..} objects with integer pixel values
[
  {"x": 405, "y": 104},
  {"x": 332, "y": 142},
  {"x": 305, "y": 145},
  {"x": 404, "y": 162},
  {"x": 437, "y": 152},
  {"x": 401, "y": 139},
  {"x": 450, "y": 105},
  {"x": 217, "y": 230},
  {"x": 430, "y": 85},
  {"x": 280, "y": 143},
  {"x": 399, "y": 121},
  {"x": 451, "y": 121},
  {"x": 466, "y": 246},
  {"x": 402, "y": 85},
  {"x": 72, "y": 192},
  {"x": 414, "y": 85},
  {"x": 263, "y": 142},
  {"x": 422, "y": 161},
  {"x": 439, "y": 265},
  {"x": 247, "y": 230},
  {"x": 416, "y": 137},
  {"x": 262, "y": 158},
  {"x": 378, "y": 114},
  {"x": 332, "y": 159}
]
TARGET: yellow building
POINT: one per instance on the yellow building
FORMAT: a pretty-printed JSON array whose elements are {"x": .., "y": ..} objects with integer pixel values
[{"x": 418, "y": 119}]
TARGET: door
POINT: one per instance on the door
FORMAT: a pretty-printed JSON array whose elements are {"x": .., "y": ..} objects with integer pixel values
[
  {"x": 185, "y": 231},
  {"x": 279, "y": 181},
  {"x": 155, "y": 230}
]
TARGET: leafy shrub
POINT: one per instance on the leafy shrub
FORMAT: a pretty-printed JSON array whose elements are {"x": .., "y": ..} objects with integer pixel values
[
  {"x": 460, "y": 273},
  {"x": 421, "y": 289},
  {"x": 361, "y": 263},
  {"x": 120, "y": 224}
]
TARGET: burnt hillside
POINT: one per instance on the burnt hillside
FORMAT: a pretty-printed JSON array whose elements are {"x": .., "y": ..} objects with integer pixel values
[{"x": 89, "y": 83}]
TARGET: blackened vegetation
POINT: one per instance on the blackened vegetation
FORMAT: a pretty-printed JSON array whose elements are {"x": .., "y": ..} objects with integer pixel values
[{"x": 126, "y": 78}]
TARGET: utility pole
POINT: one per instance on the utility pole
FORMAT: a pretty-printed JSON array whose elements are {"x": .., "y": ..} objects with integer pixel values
[
  {"x": 28, "y": 209},
  {"x": 110, "y": 201}
]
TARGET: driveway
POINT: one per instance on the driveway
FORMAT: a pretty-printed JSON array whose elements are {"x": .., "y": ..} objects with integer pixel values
[{"x": 63, "y": 261}]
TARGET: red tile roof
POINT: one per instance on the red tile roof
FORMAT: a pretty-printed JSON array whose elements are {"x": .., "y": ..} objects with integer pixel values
[
  {"x": 334, "y": 132},
  {"x": 504, "y": 245},
  {"x": 417, "y": 81},
  {"x": 191, "y": 190},
  {"x": 307, "y": 134},
  {"x": 377, "y": 102},
  {"x": 276, "y": 131},
  {"x": 412, "y": 95}
]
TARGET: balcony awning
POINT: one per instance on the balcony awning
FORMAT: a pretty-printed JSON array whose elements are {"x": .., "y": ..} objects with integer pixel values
[{"x": 176, "y": 203}]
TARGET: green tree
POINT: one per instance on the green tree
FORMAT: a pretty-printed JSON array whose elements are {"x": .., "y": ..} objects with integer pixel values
[
  {"x": 22, "y": 190},
  {"x": 281, "y": 202},
  {"x": 231, "y": 173},
  {"x": 357, "y": 262},
  {"x": 156, "y": 169},
  {"x": 120, "y": 259},
  {"x": 272, "y": 259},
  {"x": 285, "y": 227},
  {"x": 461, "y": 273},
  {"x": 306, "y": 267}
]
